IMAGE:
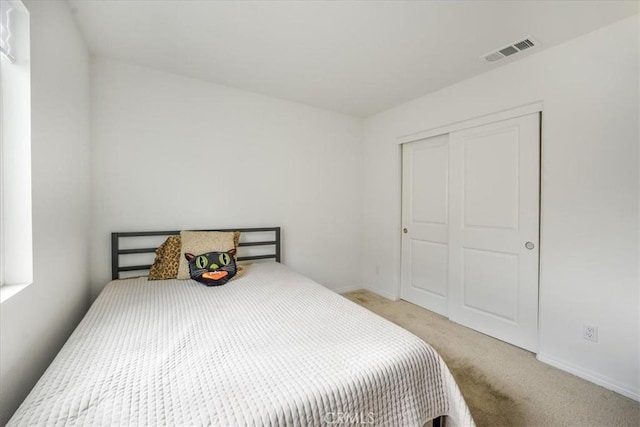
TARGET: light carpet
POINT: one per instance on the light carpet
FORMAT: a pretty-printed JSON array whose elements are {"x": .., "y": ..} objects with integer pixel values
[{"x": 502, "y": 384}]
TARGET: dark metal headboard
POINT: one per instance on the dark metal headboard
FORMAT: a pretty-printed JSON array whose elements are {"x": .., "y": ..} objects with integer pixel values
[{"x": 116, "y": 252}]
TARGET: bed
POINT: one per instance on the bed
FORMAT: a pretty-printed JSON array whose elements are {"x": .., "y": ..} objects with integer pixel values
[{"x": 271, "y": 347}]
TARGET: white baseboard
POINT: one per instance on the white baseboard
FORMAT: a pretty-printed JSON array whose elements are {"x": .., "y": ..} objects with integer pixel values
[
  {"x": 346, "y": 289},
  {"x": 384, "y": 294},
  {"x": 595, "y": 378}
]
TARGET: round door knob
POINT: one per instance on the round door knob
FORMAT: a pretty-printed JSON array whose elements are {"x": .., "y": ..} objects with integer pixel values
[
  {"x": 405, "y": 231},
  {"x": 529, "y": 245}
]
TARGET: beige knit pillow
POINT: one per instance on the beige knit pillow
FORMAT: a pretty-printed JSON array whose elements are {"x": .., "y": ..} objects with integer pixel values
[{"x": 200, "y": 242}]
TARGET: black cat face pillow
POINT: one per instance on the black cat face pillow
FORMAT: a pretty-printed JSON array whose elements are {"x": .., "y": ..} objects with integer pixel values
[{"x": 212, "y": 268}]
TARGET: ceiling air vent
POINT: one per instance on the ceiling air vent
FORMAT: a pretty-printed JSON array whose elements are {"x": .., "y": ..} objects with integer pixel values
[
  {"x": 511, "y": 49},
  {"x": 508, "y": 51},
  {"x": 524, "y": 44}
]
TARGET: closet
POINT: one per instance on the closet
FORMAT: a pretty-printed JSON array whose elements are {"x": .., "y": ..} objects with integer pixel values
[{"x": 470, "y": 227}]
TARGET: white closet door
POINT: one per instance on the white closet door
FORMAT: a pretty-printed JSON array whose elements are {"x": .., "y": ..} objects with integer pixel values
[
  {"x": 425, "y": 217},
  {"x": 494, "y": 228}
]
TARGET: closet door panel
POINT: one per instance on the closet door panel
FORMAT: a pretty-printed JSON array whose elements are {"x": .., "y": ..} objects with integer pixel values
[
  {"x": 494, "y": 229},
  {"x": 425, "y": 217}
]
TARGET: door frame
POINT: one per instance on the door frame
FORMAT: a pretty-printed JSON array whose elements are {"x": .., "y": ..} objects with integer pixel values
[
  {"x": 523, "y": 110},
  {"x": 498, "y": 116}
]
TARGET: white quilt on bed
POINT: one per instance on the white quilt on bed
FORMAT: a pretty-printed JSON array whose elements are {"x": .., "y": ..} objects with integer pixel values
[{"x": 270, "y": 348}]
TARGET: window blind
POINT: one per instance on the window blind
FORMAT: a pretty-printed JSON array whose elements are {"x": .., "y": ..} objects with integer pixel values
[{"x": 5, "y": 31}]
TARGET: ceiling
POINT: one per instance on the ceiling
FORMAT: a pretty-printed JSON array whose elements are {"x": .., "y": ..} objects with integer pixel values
[{"x": 354, "y": 57}]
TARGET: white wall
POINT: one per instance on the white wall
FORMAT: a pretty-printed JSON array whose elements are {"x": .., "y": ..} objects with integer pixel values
[
  {"x": 35, "y": 322},
  {"x": 172, "y": 152},
  {"x": 589, "y": 87}
]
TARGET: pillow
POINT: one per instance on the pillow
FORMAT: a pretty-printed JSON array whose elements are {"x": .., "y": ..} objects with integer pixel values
[
  {"x": 167, "y": 260},
  {"x": 201, "y": 242},
  {"x": 212, "y": 268},
  {"x": 236, "y": 242}
]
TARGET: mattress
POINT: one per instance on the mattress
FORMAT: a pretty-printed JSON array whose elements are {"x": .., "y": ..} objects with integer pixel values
[{"x": 270, "y": 348}]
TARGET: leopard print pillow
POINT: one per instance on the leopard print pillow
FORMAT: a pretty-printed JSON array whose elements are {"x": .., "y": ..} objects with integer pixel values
[
  {"x": 236, "y": 240},
  {"x": 167, "y": 259}
]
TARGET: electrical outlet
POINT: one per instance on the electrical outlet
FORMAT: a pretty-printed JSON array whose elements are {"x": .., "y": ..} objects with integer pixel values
[{"x": 590, "y": 333}]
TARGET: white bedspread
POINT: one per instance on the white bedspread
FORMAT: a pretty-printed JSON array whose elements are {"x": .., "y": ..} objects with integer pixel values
[{"x": 270, "y": 348}]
